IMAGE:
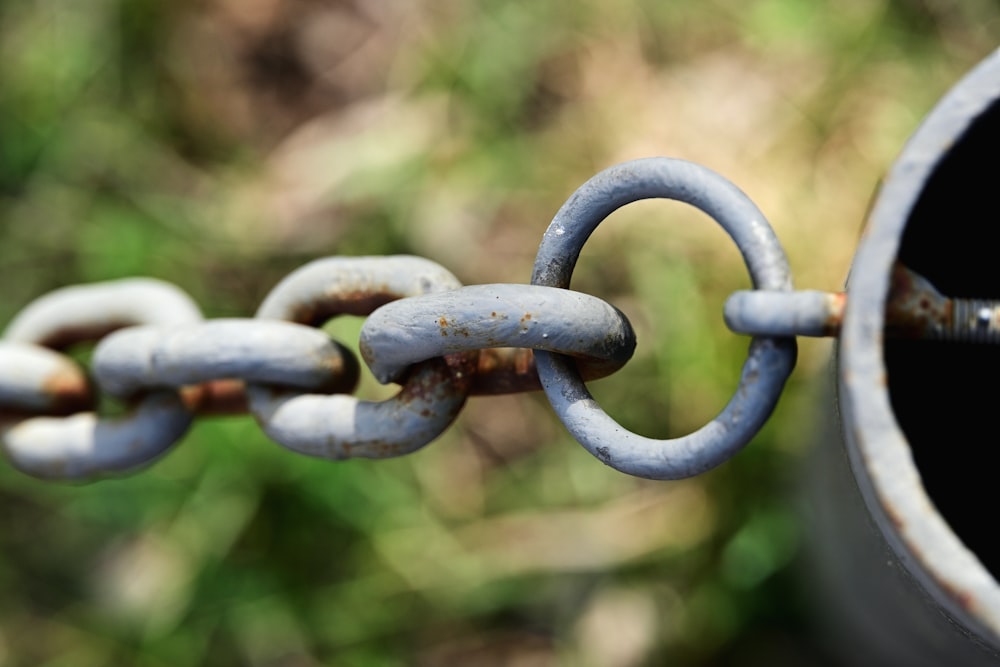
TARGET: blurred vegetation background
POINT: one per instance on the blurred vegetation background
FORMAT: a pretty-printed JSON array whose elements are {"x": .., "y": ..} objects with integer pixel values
[{"x": 219, "y": 144}]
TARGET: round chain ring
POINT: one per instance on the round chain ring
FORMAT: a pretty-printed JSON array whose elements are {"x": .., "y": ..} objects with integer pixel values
[{"x": 769, "y": 361}]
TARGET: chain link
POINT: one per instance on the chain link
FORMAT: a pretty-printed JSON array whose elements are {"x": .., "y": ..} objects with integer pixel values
[
  {"x": 83, "y": 445},
  {"x": 440, "y": 341},
  {"x": 770, "y": 360}
]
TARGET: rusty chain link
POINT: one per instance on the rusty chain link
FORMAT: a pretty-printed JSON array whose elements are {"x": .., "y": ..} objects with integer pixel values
[{"x": 439, "y": 340}]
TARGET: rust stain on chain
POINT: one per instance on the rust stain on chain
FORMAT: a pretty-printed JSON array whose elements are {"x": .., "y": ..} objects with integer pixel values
[
  {"x": 505, "y": 370},
  {"x": 315, "y": 312},
  {"x": 63, "y": 337},
  {"x": 510, "y": 370},
  {"x": 216, "y": 397},
  {"x": 836, "y": 306},
  {"x": 450, "y": 328},
  {"x": 69, "y": 392}
]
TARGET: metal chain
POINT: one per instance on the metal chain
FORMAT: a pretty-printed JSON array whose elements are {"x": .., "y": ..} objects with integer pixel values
[{"x": 440, "y": 341}]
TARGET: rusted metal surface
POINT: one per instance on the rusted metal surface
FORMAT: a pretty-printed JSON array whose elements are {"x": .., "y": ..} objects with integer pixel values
[
  {"x": 340, "y": 426},
  {"x": 495, "y": 316},
  {"x": 34, "y": 379},
  {"x": 798, "y": 313},
  {"x": 770, "y": 359},
  {"x": 88, "y": 312},
  {"x": 914, "y": 309},
  {"x": 216, "y": 397},
  {"x": 266, "y": 352},
  {"x": 333, "y": 286},
  {"x": 511, "y": 370}
]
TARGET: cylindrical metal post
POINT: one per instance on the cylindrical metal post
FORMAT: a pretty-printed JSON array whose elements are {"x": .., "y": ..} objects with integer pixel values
[{"x": 904, "y": 522}]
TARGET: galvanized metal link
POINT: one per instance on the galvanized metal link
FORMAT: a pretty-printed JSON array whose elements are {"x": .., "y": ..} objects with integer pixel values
[
  {"x": 403, "y": 333},
  {"x": 84, "y": 445},
  {"x": 37, "y": 379},
  {"x": 340, "y": 426},
  {"x": 770, "y": 359},
  {"x": 278, "y": 353},
  {"x": 88, "y": 312}
]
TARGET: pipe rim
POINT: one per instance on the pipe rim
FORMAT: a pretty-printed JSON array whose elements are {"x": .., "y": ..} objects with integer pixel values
[{"x": 878, "y": 450}]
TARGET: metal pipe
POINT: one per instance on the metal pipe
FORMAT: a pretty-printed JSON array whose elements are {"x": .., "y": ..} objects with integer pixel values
[{"x": 919, "y": 589}]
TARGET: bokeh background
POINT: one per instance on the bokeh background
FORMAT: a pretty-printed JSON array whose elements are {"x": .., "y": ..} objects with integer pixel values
[{"x": 219, "y": 144}]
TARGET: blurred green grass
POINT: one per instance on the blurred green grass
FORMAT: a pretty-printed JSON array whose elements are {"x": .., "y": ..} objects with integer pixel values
[{"x": 220, "y": 144}]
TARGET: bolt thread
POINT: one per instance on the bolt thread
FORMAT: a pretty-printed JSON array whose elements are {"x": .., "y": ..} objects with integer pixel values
[{"x": 974, "y": 321}]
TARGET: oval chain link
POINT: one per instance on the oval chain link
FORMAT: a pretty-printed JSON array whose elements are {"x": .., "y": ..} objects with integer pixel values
[
  {"x": 84, "y": 445},
  {"x": 339, "y": 426}
]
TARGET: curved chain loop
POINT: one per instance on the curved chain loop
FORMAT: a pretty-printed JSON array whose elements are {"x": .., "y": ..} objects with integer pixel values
[
  {"x": 340, "y": 426},
  {"x": 266, "y": 352},
  {"x": 770, "y": 359},
  {"x": 39, "y": 380},
  {"x": 83, "y": 445},
  {"x": 87, "y": 312},
  {"x": 332, "y": 286},
  {"x": 494, "y": 316}
]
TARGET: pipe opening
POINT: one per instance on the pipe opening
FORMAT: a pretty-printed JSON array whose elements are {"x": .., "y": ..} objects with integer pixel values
[{"x": 942, "y": 393}]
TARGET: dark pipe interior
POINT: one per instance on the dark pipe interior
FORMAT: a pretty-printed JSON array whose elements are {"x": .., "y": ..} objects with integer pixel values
[{"x": 945, "y": 395}]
